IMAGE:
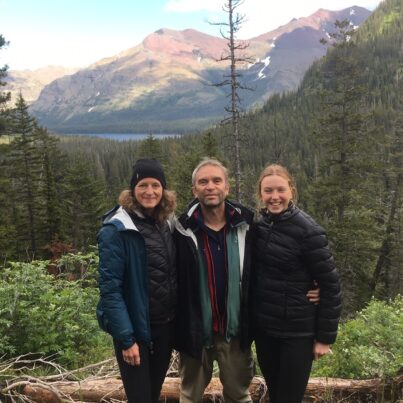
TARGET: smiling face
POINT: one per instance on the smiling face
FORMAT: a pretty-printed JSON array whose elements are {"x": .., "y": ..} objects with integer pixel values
[
  {"x": 210, "y": 186},
  {"x": 275, "y": 193},
  {"x": 148, "y": 193}
]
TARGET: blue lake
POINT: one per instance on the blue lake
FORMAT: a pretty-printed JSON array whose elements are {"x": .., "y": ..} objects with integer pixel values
[{"x": 121, "y": 136}]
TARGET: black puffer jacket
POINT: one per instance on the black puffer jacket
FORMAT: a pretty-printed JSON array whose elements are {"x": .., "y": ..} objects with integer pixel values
[
  {"x": 161, "y": 268},
  {"x": 290, "y": 253}
]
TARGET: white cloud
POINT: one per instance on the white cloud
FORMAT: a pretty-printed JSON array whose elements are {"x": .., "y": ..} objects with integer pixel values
[
  {"x": 189, "y": 6},
  {"x": 69, "y": 50}
]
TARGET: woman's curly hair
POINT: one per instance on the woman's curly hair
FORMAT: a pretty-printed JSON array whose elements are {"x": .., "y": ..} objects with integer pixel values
[{"x": 161, "y": 212}]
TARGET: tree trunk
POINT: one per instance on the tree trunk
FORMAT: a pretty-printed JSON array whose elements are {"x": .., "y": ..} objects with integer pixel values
[
  {"x": 385, "y": 249},
  {"x": 96, "y": 390}
]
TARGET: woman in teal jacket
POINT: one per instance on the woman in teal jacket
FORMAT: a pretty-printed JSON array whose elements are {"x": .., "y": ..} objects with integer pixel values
[{"x": 138, "y": 283}]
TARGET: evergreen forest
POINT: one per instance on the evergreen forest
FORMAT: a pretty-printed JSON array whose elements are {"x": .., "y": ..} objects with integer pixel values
[{"x": 340, "y": 134}]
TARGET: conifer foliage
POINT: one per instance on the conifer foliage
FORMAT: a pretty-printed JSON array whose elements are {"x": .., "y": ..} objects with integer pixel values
[
  {"x": 4, "y": 96},
  {"x": 45, "y": 195},
  {"x": 345, "y": 152},
  {"x": 25, "y": 164}
]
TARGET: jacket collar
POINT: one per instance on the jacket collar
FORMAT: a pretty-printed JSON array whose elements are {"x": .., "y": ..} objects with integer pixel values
[
  {"x": 236, "y": 215},
  {"x": 120, "y": 218},
  {"x": 291, "y": 210}
]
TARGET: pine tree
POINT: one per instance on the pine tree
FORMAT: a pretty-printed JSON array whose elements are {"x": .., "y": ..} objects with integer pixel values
[
  {"x": 53, "y": 163},
  {"x": 346, "y": 157},
  {"x": 386, "y": 277},
  {"x": 180, "y": 173},
  {"x": 151, "y": 148},
  {"x": 8, "y": 233},
  {"x": 25, "y": 169},
  {"x": 83, "y": 202},
  {"x": 4, "y": 96}
]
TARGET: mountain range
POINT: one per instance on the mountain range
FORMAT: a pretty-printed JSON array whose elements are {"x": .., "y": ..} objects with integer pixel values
[
  {"x": 166, "y": 83},
  {"x": 31, "y": 82}
]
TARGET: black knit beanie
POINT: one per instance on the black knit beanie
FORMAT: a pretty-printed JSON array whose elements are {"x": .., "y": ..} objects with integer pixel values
[{"x": 147, "y": 168}]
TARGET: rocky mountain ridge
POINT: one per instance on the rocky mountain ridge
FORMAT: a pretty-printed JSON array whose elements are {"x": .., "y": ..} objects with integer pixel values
[
  {"x": 165, "y": 84},
  {"x": 31, "y": 82}
]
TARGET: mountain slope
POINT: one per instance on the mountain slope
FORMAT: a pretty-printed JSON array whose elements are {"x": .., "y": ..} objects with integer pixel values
[
  {"x": 31, "y": 82},
  {"x": 164, "y": 83}
]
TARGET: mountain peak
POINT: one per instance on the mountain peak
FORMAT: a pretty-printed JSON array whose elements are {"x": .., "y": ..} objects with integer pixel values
[
  {"x": 189, "y": 41},
  {"x": 165, "y": 31},
  {"x": 167, "y": 73},
  {"x": 319, "y": 20}
]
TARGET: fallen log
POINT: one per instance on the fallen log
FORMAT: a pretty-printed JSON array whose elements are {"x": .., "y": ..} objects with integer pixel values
[{"x": 103, "y": 390}]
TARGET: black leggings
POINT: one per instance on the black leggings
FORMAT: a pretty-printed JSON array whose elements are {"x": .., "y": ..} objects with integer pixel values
[
  {"x": 286, "y": 365},
  {"x": 143, "y": 383}
]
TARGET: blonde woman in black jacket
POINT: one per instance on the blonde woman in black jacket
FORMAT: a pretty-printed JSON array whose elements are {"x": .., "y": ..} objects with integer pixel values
[{"x": 291, "y": 253}]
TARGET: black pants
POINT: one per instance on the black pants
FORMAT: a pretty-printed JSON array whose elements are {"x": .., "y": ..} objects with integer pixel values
[
  {"x": 143, "y": 383},
  {"x": 286, "y": 365}
]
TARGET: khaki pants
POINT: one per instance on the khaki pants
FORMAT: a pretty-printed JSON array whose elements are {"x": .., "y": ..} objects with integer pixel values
[{"x": 236, "y": 372}]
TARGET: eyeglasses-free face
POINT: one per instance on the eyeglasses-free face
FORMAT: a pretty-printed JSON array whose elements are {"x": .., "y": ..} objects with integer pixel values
[
  {"x": 275, "y": 193},
  {"x": 210, "y": 187},
  {"x": 148, "y": 193}
]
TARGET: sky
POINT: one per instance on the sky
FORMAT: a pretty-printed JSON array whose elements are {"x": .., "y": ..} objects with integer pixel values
[{"x": 76, "y": 33}]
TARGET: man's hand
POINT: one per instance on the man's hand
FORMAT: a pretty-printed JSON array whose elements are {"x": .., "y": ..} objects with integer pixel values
[
  {"x": 320, "y": 349},
  {"x": 132, "y": 355}
]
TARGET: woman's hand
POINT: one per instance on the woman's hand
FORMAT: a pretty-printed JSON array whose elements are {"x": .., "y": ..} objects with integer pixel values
[
  {"x": 320, "y": 349},
  {"x": 132, "y": 355},
  {"x": 314, "y": 296}
]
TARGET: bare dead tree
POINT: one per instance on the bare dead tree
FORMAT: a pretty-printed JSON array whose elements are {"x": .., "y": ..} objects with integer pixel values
[{"x": 236, "y": 58}]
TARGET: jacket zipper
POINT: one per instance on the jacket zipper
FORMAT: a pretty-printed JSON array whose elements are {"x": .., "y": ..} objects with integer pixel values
[
  {"x": 271, "y": 225},
  {"x": 169, "y": 262}
]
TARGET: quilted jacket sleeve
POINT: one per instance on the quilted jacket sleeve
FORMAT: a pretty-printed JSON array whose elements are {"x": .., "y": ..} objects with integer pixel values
[
  {"x": 112, "y": 310},
  {"x": 320, "y": 262}
]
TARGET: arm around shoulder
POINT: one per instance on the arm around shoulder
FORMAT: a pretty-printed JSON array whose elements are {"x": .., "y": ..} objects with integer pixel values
[{"x": 320, "y": 262}]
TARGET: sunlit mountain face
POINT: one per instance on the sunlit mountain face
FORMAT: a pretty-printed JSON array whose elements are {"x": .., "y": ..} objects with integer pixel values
[{"x": 166, "y": 83}]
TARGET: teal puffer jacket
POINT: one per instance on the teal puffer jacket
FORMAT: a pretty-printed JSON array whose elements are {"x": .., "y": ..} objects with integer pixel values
[{"x": 123, "y": 309}]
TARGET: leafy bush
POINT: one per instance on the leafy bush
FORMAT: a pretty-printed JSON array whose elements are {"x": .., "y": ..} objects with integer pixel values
[
  {"x": 43, "y": 314},
  {"x": 371, "y": 345},
  {"x": 80, "y": 265}
]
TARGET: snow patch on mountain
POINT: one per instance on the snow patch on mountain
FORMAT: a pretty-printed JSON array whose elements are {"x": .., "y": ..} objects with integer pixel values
[{"x": 266, "y": 62}]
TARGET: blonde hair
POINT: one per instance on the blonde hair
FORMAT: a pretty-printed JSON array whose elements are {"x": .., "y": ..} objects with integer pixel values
[
  {"x": 161, "y": 212},
  {"x": 211, "y": 162},
  {"x": 276, "y": 169}
]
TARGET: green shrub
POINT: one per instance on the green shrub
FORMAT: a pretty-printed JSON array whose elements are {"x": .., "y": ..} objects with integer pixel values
[
  {"x": 80, "y": 265},
  {"x": 371, "y": 345},
  {"x": 43, "y": 314}
]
